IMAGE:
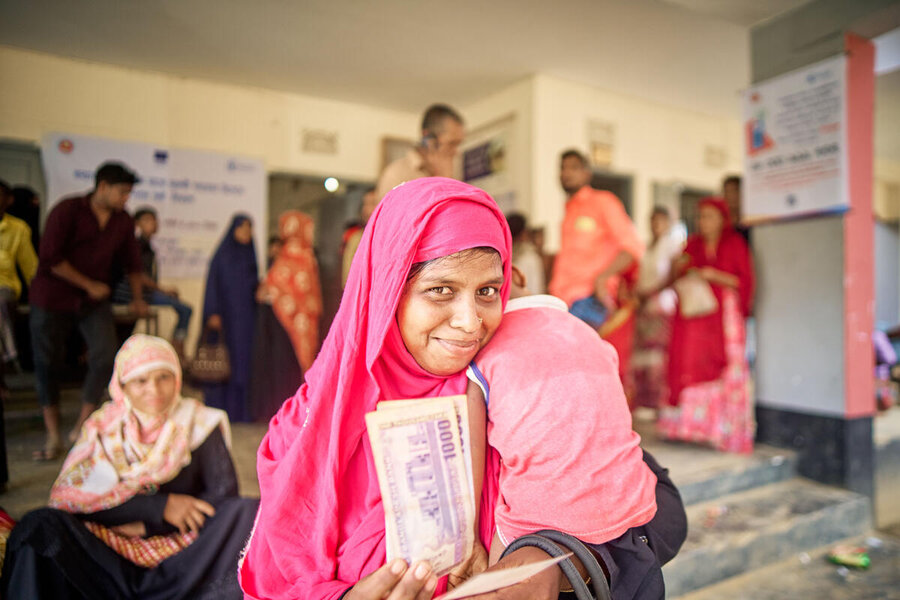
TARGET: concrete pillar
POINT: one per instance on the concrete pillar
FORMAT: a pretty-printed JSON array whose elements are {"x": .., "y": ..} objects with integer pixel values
[{"x": 816, "y": 276}]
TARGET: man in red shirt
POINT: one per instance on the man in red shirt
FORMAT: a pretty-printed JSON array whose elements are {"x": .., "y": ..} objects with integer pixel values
[
  {"x": 83, "y": 237},
  {"x": 599, "y": 249}
]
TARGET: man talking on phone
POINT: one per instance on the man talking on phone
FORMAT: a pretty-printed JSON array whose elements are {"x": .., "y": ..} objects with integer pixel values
[{"x": 443, "y": 132}]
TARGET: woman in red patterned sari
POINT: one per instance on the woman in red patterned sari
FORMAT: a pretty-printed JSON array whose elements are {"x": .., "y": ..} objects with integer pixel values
[
  {"x": 289, "y": 306},
  {"x": 292, "y": 286},
  {"x": 709, "y": 379}
]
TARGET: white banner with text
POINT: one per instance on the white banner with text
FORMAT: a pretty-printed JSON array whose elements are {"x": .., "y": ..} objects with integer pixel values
[
  {"x": 195, "y": 193},
  {"x": 795, "y": 147}
]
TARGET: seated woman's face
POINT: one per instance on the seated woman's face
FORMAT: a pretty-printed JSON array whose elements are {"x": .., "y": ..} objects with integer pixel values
[
  {"x": 153, "y": 392},
  {"x": 451, "y": 308}
]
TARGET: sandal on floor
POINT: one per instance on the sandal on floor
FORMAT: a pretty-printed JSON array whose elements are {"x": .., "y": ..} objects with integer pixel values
[{"x": 48, "y": 454}]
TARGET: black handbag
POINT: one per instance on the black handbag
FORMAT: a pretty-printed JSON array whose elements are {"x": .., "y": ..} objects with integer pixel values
[
  {"x": 211, "y": 363},
  {"x": 557, "y": 543}
]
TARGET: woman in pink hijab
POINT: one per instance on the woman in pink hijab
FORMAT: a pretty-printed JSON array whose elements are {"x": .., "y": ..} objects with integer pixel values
[{"x": 426, "y": 291}]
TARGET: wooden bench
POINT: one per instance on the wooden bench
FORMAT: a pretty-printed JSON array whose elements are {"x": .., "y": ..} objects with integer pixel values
[{"x": 122, "y": 316}]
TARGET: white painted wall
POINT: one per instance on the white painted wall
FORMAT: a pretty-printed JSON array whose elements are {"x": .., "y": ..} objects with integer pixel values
[
  {"x": 517, "y": 102},
  {"x": 49, "y": 93},
  {"x": 886, "y": 195},
  {"x": 653, "y": 142},
  {"x": 46, "y": 93},
  {"x": 886, "y": 199}
]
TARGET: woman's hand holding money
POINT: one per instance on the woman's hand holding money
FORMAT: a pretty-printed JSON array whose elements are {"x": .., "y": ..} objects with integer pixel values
[
  {"x": 396, "y": 581},
  {"x": 475, "y": 563}
]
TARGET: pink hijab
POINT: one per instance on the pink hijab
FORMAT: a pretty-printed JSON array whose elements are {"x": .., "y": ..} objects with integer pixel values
[{"x": 320, "y": 526}]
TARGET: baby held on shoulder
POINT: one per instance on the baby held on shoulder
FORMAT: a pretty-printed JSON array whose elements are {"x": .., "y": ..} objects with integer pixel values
[{"x": 569, "y": 459}]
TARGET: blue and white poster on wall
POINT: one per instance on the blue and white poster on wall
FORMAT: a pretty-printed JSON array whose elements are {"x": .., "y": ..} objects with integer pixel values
[
  {"x": 194, "y": 193},
  {"x": 795, "y": 144},
  {"x": 486, "y": 162}
]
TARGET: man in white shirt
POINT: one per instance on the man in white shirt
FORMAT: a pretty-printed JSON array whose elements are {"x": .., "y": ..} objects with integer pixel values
[{"x": 443, "y": 132}]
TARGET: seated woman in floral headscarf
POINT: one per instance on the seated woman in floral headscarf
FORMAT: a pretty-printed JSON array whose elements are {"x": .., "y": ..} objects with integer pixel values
[{"x": 146, "y": 505}]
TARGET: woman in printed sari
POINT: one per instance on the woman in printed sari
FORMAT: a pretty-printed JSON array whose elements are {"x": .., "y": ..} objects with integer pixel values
[
  {"x": 146, "y": 504},
  {"x": 287, "y": 321},
  {"x": 709, "y": 380}
]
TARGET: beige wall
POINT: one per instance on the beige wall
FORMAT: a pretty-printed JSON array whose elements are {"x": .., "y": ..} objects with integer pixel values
[
  {"x": 47, "y": 93},
  {"x": 886, "y": 196},
  {"x": 516, "y": 104},
  {"x": 653, "y": 143}
]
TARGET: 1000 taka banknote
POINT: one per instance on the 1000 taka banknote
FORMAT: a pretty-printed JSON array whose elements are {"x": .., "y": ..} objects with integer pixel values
[
  {"x": 461, "y": 405},
  {"x": 428, "y": 509}
]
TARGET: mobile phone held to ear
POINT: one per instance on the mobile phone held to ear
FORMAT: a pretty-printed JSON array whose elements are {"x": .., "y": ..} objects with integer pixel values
[{"x": 429, "y": 142}]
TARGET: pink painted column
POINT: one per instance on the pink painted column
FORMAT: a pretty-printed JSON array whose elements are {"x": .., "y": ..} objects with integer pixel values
[{"x": 859, "y": 250}]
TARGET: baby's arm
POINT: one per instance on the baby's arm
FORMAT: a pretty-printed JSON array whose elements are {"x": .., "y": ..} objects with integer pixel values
[
  {"x": 478, "y": 435},
  {"x": 477, "y": 560}
]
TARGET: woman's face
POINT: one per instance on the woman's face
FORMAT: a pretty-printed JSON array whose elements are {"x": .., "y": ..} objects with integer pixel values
[
  {"x": 153, "y": 392},
  {"x": 710, "y": 222},
  {"x": 659, "y": 225},
  {"x": 450, "y": 309},
  {"x": 243, "y": 233}
]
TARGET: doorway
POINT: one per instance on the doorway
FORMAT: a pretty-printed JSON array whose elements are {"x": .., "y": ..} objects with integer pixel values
[
  {"x": 331, "y": 211},
  {"x": 886, "y": 212},
  {"x": 688, "y": 207},
  {"x": 682, "y": 202},
  {"x": 20, "y": 166},
  {"x": 620, "y": 185}
]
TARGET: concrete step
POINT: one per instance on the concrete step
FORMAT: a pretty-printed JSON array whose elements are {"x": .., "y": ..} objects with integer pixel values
[
  {"x": 747, "y": 530},
  {"x": 766, "y": 465},
  {"x": 703, "y": 474},
  {"x": 811, "y": 575}
]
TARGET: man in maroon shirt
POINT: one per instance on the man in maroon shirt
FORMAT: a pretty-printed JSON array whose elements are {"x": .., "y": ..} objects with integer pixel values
[{"x": 83, "y": 237}]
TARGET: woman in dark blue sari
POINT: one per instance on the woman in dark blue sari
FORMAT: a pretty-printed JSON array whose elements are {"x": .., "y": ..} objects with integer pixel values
[{"x": 229, "y": 307}]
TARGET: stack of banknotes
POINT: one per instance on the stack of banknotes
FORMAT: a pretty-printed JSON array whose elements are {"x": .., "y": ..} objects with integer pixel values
[{"x": 421, "y": 450}]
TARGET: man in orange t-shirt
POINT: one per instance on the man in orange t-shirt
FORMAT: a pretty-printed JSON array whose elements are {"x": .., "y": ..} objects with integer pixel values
[{"x": 599, "y": 249}]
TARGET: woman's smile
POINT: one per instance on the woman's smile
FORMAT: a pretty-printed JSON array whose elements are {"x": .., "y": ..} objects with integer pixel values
[{"x": 460, "y": 347}]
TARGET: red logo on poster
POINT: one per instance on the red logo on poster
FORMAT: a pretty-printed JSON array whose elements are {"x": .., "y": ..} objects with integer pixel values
[{"x": 66, "y": 146}]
